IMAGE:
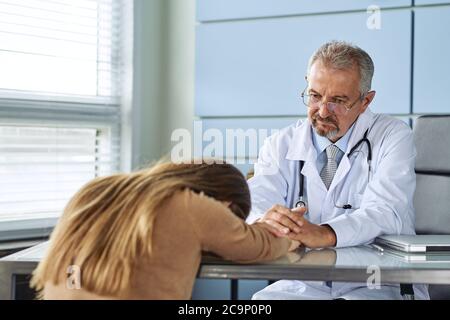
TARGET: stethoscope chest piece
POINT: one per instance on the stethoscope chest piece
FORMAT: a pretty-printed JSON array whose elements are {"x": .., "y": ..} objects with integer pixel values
[{"x": 300, "y": 203}]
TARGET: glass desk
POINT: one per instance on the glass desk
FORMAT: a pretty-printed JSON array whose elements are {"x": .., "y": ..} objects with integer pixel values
[{"x": 353, "y": 264}]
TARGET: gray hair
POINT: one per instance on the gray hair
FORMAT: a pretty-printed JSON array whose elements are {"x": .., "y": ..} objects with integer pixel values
[{"x": 344, "y": 55}]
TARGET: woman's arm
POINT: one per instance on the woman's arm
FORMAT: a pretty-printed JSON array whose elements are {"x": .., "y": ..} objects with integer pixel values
[{"x": 224, "y": 234}]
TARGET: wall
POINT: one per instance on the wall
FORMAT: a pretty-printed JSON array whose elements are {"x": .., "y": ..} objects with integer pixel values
[
  {"x": 163, "y": 95},
  {"x": 178, "y": 101},
  {"x": 251, "y": 56},
  {"x": 143, "y": 142}
]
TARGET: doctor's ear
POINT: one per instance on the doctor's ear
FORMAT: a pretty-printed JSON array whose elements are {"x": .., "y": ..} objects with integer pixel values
[{"x": 368, "y": 99}]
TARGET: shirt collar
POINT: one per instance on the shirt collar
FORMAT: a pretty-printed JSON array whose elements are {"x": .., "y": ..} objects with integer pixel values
[{"x": 321, "y": 143}]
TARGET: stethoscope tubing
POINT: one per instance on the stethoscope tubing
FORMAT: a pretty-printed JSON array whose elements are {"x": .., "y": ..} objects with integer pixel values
[{"x": 301, "y": 202}]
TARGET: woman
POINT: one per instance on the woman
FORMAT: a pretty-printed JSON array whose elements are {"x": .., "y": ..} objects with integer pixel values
[{"x": 140, "y": 235}]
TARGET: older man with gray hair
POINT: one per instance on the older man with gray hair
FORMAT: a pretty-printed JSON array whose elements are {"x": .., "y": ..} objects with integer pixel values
[{"x": 339, "y": 179}]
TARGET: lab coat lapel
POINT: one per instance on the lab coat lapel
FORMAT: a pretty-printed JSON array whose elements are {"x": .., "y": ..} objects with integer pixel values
[
  {"x": 362, "y": 124},
  {"x": 301, "y": 148}
]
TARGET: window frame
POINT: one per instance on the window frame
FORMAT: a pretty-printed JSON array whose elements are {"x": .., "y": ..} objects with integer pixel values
[{"x": 30, "y": 108}]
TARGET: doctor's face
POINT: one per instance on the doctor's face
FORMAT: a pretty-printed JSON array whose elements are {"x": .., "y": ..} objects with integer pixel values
[{"x": 334, "y": 99}]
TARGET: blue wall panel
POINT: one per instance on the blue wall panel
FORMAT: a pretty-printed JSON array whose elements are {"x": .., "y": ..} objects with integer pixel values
[
  {"x": 247, "y": 288},
  {"x": 208, "y": 10},
  {"x": 251, "y": 130},
  {"x": 431, "y": 61},
  {"x": 252, "y": 68},
  {"x": 211, "y": 289},
  {"x": 245, "y": 168},
  {"x": 422, "y": 2}
]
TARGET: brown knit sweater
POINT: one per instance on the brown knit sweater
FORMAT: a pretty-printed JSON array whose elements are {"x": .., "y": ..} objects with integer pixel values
[{"x": 187, "y": 225}]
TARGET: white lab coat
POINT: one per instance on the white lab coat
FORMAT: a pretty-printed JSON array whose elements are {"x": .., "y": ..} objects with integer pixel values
[{"x": 385, "y": 202}]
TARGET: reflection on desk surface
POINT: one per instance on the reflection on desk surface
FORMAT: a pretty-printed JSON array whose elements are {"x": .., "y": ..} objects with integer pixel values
[
  {"x": 351, "y": 257},
  {"x": 432, "y": 257}
]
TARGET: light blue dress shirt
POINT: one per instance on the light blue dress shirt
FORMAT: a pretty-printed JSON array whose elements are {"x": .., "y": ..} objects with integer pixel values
[{"x": 321, "y": 143}]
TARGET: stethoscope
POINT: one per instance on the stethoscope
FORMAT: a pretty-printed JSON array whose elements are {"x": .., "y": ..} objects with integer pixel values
[{"x": 301, "y": 202}]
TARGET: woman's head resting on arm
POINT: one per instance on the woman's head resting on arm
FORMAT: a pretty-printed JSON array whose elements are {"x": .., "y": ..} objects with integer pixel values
[{"x": 221, "y": 181}]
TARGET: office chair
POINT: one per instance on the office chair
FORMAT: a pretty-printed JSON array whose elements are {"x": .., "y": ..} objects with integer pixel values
[{"x": 432, "y": 197}]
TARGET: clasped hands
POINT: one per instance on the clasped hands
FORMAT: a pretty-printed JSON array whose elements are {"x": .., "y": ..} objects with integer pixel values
[{"x": 292, "y": 223}]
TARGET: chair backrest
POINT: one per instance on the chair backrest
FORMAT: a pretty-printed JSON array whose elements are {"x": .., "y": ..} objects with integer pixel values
[{"x": 432, "y": 197}]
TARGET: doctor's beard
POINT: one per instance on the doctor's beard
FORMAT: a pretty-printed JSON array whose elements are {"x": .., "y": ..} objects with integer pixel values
[{"x": 328, "y": 134}]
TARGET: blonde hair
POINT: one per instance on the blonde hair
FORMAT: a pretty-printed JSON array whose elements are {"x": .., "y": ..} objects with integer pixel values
[{"x": 107, "y": 225}]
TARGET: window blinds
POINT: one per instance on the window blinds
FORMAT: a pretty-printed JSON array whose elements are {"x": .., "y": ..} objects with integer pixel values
[{"x": 60, "y": 92}]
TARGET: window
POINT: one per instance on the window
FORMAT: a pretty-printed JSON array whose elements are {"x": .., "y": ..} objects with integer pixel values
[{"x": 61, "y": 67}]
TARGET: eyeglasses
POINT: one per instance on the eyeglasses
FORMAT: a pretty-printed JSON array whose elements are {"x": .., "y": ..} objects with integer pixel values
[{"x": 314, "y": 101}]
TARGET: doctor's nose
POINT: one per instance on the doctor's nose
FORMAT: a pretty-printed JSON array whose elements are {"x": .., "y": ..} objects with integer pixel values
[{"x": 323, "y": 110}]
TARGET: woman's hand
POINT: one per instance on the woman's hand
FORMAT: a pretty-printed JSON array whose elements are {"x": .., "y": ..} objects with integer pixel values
[{"x": 274, "y": 231}]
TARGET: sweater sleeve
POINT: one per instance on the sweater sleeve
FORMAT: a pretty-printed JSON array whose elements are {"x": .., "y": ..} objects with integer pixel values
[{"x": 223, "y": 233}]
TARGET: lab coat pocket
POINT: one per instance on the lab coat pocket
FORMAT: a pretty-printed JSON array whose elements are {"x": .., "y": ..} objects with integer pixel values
[
  {"x": 353, "y": 203},
  {"x": 356, "y": 201}
]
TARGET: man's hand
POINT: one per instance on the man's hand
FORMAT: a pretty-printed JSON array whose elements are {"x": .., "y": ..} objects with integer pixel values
[
  {"x": 284, "y": 220},
  {"x": 314, "y": 236}
]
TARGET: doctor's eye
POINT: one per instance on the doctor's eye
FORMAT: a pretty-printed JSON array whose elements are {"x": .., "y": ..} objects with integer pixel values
[
  {"x": 339, "y": 101},
  {"x": 315, "y": 97}
]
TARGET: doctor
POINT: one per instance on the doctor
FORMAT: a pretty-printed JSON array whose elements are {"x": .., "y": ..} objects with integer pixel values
[{"x": 356, "y": 168}]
